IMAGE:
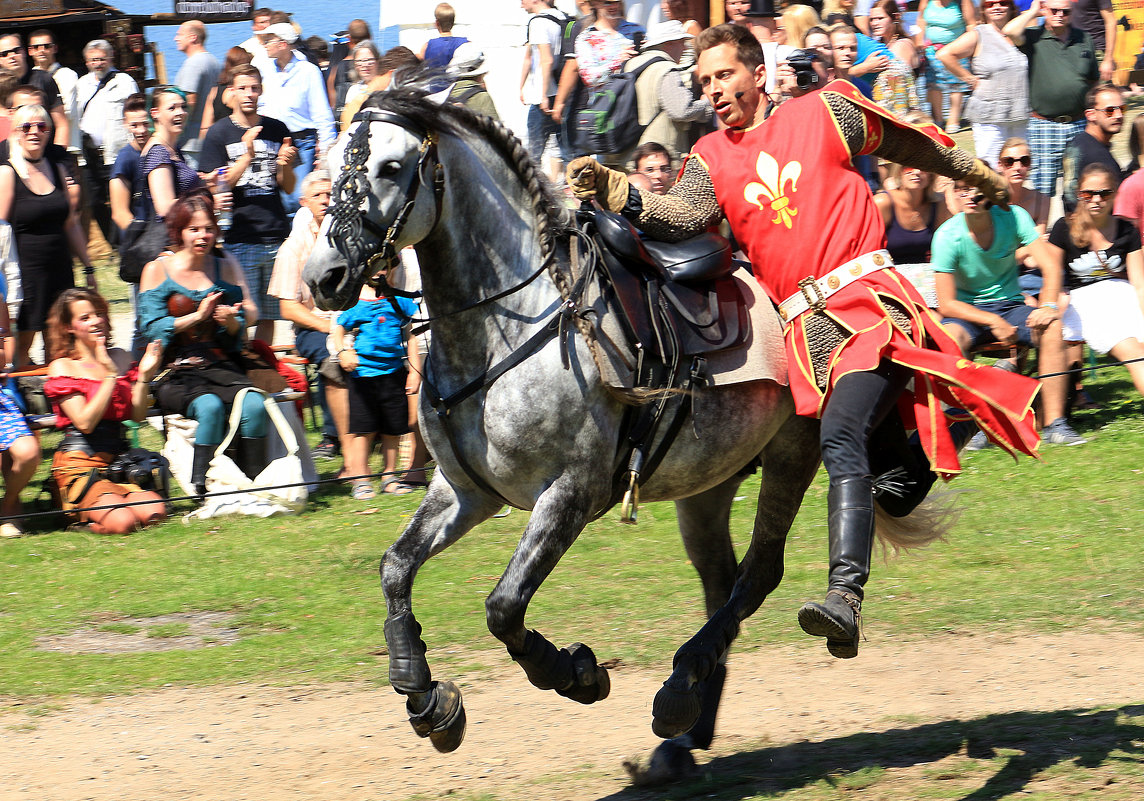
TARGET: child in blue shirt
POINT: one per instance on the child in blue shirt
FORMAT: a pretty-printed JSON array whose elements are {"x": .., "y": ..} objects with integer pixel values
[{"x": 378, "y": 383}]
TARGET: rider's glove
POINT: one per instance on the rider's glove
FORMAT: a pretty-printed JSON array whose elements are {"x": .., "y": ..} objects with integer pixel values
[
  {"x": 992, "y": 185},
  {"x": 589, "y": 178}
]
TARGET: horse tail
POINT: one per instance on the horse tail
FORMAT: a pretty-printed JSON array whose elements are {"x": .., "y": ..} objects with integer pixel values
[{"x": 932, "y": 520}]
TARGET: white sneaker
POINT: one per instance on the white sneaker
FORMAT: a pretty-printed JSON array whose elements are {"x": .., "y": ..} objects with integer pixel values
[{"x": 1059, "y": 432}]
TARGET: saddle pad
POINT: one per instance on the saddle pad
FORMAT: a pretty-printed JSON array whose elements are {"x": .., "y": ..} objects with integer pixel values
[{"x": 763, "y": 357}]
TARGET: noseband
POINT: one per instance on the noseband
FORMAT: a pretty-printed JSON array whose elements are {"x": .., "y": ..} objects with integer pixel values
[{"x": 352, "y": 188}]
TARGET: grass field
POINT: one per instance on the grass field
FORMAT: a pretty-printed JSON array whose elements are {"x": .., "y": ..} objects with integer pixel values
[{"x": 1041, "y": 546}]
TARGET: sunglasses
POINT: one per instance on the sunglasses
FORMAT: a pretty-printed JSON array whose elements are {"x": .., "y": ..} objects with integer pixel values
[
  {"x": 28, "y": 127},
  {"x": 39, "y": 46},
  {"x": 6, "y": 53},
  {"x": 1009, "y": 161},
  {"x": 1064, "y": 12},
  {"x": 1092, "y": 194},
  {"x": 1108, "y": 111}
]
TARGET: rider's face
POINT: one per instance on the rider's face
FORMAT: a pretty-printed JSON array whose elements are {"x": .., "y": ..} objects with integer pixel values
[{"x": 733, "y": 89}]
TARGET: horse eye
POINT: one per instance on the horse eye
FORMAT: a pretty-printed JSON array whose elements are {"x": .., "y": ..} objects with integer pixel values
[{"x": 389, "y": 168}]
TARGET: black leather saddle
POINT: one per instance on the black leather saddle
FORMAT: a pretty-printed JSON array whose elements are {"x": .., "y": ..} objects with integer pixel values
[{"x": 677, "y": 299}]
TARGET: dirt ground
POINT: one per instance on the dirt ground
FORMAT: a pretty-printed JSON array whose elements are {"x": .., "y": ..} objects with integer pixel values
[{"x": 347, "y": 743}]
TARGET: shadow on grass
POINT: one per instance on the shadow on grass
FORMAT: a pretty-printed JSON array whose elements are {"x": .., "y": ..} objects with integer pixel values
[{"x": 1016, "y": 747}]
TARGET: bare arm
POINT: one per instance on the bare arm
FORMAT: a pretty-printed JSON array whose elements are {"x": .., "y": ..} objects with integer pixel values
[
  {"x": 545, "y": 69},
  {"x": 208, "y": 112},
  {"x": 920, "y": 22},
  {"x": 85, "y": 413},
  {"x": 962, "y": 47},
  {"x": 62, "y": 126},
  {"x": 1135, "y": 267},
  {"x": 120, "y": 197},
  {"x": 949, "y": 306},
  {"x": 296, "y": 312},
  {"x": 969, "y": 14},
  {"x": 161, "y": 183},
  {"x": 1108, "y": 65},
  {"x": 1015, "y": 28},
  {"x": 569, "y": 77},
  {"x": 7, "y": 191}
]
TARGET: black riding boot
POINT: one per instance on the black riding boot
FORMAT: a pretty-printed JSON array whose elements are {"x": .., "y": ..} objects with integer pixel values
[
  {"x": 851, "y": 524},
  {"x": 251, "y": 457},
  {"x": 199, "y": 465},
  {"x": 902, "y": 476}
]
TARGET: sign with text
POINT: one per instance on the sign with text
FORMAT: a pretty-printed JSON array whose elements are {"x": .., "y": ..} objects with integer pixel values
[
  {"x": 213, "y": 10},
  {"x": 12, "y": 9}
]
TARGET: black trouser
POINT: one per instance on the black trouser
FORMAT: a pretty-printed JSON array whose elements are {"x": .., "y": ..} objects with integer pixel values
[
  {"x": 95, "y": 175},
  {"x": 861, "y": 411}
]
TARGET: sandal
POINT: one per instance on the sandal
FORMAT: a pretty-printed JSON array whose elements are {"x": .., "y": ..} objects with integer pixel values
[
  {"x": 399, "y": 487},
  {"x": 363, "y": 490}
]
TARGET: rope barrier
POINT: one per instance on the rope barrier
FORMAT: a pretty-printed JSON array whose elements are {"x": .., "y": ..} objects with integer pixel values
[
  {"x": 1094, "y": 368},
  {"x": 176, "y": 499}
]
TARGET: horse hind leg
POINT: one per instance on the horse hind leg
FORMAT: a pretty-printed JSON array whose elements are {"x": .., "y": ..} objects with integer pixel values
[
  {"x": 790, "y": 461},
  {"x": 572, "y": 672},
  {"x": 435, "y": 708}
]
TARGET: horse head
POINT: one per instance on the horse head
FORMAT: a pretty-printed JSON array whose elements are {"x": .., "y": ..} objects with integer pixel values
[{"x": 384, "y": 198}]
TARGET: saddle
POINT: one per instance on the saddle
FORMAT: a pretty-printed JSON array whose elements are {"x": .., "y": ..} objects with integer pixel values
[
  {"x": 676, "y": 304},
  {"x": 673, "y": 301}
]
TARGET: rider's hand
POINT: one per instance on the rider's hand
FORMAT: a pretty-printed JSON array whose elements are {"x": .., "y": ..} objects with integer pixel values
[
  {"x": 993, "y": 186},
  {"x": 589, "y": 178}
]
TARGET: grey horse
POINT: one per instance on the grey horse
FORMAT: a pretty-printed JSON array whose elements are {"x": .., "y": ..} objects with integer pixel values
[{"x": 493, "y": 244}]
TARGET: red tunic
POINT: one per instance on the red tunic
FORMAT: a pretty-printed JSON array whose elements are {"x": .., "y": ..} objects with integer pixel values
[
  {"x": 60, "y": 387},
  {"x": 799, "y": 208}
]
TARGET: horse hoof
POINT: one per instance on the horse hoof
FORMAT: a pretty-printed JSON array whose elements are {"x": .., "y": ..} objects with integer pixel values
[
  {"x": 592, "y": 682},
  {"x": 443, "y": 718},
  {"x": 674, "y": 713},
  {"x": 668, "y": 763}
]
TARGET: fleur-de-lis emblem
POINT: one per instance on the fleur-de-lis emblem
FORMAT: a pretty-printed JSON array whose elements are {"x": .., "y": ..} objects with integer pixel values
[{"x": 772, "y": 187}]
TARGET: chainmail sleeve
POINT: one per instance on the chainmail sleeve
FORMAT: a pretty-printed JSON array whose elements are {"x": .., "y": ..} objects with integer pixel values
[
  {"x": 685, "y": 211},
  {"x": 902, "y": 145}
]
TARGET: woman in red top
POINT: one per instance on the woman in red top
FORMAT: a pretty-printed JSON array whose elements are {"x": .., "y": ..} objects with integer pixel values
[{"x": 94, "y": 389}]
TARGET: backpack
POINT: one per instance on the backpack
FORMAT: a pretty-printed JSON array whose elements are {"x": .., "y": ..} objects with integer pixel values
[
  {"x": 567, "y": 41},
  {"x": 609, "y": 123}
]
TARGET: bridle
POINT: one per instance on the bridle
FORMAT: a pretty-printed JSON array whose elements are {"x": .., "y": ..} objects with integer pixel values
[{"x": 352, "y": 188}]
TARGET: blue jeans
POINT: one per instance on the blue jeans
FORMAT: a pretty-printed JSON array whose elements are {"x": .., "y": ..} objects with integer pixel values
[
  {"x": 307, "y": 152},
  {"x": 211, "y": 413},
  {"x": 311, "y": 346},
  {"x": 1014, "y": 312},
  {"x": 541, "y": 126}
]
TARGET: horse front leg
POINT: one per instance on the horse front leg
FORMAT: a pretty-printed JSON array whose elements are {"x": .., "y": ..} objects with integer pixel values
[
  {"x": 557, "y": 520},
  {"x": 435, "y": 708},
  {"x": 790, "y": 460}
]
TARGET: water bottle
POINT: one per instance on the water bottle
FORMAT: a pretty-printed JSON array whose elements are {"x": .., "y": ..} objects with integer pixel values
[{"x": 221, "y": 186}]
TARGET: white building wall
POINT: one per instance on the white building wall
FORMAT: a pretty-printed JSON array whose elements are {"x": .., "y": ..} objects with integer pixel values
[{"x": 498, "y": 27}]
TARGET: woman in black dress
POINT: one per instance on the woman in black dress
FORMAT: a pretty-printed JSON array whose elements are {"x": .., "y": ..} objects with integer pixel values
[{"x": 34, "y": 199}]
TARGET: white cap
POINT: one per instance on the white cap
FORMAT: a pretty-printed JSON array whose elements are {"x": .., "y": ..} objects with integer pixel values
[
  {"x": 662, "y": 32},
  {"x": 468, "y": 61},
  {"x": 283, "y": 30}
]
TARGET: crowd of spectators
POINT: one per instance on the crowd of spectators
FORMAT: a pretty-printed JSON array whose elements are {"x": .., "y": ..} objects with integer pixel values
[{"x": 228, "y": 159}]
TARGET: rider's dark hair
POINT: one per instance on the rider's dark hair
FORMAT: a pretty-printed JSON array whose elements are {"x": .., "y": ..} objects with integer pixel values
[{"x": 747, "y": 47}]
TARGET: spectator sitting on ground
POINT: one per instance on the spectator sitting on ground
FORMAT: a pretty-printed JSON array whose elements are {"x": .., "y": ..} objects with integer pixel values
[
  {"x": 257, "y": 153},
  {"x": 653, "y": 161},
  {"x": 1103, "y": 269},
  {"x": 912, "y": 211},
  {"x": 312, "y": 325},
  {"x": 195, "y": 302},
  {"x": 94, "y": 389},
  {"x": 974, "y": 256},
  {"x": 438, "y": 52},
  {"x": 378, "y": 384},
  {"x": 19, "y": 448}
]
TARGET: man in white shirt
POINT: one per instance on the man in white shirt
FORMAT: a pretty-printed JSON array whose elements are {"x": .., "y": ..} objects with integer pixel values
[
  {"x": 259, "y": 21},
  {"x": 294, "y": 92},
  {"x": 544, "y": 30},
  {"x": 99, "y": 98}
]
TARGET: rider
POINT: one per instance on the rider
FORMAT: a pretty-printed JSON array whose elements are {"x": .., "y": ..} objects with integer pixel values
[{"x": 783, "y": 179}]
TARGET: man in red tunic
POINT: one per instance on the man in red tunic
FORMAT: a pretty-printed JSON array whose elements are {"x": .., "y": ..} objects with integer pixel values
[{"x": 856, "y": 331}]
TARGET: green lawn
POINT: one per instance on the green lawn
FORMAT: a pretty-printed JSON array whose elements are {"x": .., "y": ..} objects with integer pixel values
[{"x": 1041, "y": 546}]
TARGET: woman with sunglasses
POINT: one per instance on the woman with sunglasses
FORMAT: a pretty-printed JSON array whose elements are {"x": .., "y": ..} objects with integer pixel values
[
  {"x": 1014, "y": 161},
  {"x": 34, "y": 198},
  {"x": 912, "y": 211},
  {"x": 364, "y": 70},
  {"x": 1103, "y": 272},
  {"x": 997, "y": 77}
]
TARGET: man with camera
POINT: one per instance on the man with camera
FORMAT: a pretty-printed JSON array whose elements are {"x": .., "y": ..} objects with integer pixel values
[
  {"x": 865, "y": 354},
  {"x": 801, "y": 73}
]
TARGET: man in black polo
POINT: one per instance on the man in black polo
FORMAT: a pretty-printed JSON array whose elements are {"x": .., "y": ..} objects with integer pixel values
[
  {"x": 1062, "y": 68},
  {"x": 14, "y": 59},
  {"x": 1104, "y": 117}
]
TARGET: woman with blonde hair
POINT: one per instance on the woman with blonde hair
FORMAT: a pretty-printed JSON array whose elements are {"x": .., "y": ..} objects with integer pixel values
[
  {"x": 912, "y": 210},
  {"x": 34, "y": 198},
  {"x": 796, "y": 21},
  {"x": 94, "y": 389},
  {"x": 835, "y": 11}
]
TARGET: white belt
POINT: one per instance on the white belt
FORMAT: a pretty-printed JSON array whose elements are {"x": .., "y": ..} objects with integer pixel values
[{"x": 813, "y": 292}]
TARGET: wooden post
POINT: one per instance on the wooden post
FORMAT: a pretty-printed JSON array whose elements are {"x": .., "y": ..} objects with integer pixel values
[{"x": 717, "y": 12}]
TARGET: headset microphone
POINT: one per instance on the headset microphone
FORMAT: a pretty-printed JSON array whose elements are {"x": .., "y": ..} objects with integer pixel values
[{"x": 739, "y": 95}]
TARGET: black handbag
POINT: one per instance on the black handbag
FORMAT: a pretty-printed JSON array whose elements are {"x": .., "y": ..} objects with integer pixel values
[{"x": 142, "y": 242}]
